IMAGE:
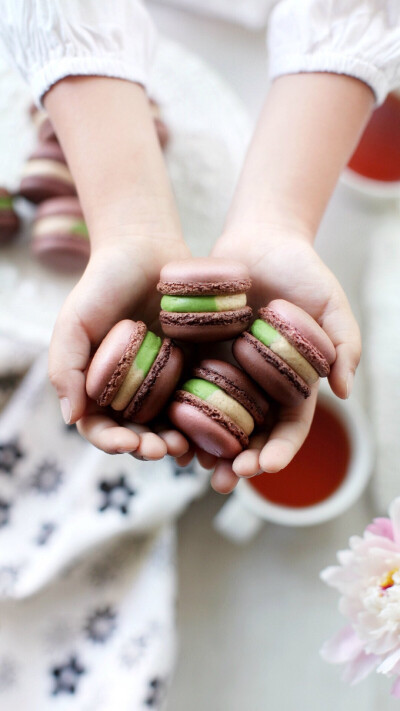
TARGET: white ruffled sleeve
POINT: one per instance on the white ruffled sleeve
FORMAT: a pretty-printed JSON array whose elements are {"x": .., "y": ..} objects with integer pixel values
[
  {"x": 360, "y": 38},
  {"x": 51, "y": 39}
]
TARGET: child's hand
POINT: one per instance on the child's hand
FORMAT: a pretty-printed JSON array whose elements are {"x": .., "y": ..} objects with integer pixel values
[
  {"x": 287, "y": 267},
  {"x": 118, "y": 283}
]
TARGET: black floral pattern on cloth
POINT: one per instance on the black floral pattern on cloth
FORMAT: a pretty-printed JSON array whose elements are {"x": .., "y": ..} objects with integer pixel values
[
  {"x": 156, "y": 693},
  {"x": 117, "y": 494},
  {"x": 8, "y": 674},
  {"x": 67, "y": 676},
  {"x": 5, "y": 507},
  {"x": 101, "y": 624},
  {"x": 188, "y": 470},
  {"x": 45, "y": 533},
  {"x": 47, "y": 478},
  {"x": 10, "y": 454}
]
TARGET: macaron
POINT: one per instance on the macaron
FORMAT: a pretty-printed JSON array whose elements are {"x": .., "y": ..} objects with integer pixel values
[
  {"x": 46, "y": 174},
  {"x": 42, "y": 123},
  {"x": 218, "y": 408},
  {"x": 285, "y": 351},
  {"x": 134, "y": 371},
  {"x": 60, "y": 238},
  {"x": 204, "y": 299},
  {"x": 9, "y": 220}
]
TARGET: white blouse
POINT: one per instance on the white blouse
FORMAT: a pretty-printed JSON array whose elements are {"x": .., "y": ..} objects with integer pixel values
[{"x": 50, "y": 39}]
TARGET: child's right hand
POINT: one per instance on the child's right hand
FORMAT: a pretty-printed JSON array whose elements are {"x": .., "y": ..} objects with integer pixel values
[{"x": 119, "y": 282}]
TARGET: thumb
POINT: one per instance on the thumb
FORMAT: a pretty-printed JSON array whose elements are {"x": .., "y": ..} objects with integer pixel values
[{"x": 68, "y": 359}]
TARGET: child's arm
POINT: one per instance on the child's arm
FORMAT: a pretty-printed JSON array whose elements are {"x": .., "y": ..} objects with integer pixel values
[
  {"x": 107, "y": 133},
  {"x": 307, "y": 131}
]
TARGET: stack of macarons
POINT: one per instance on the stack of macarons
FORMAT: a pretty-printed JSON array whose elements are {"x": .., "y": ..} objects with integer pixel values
[
  {"x": 9, "y": 220},
  {"x": 60, "y": 237}
]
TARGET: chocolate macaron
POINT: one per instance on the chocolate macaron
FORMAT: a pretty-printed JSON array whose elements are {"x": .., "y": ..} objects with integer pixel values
[
  {"x": 46, "y": 174},
  {"x": 204, "y": 299},
  {"x": 60, "y": 237},
  {"x": 218, "y": 408},
  {"x": 9, "y": 220},
  {"x": 134, "y": 371},
  {"x": 285, "y": 351}
]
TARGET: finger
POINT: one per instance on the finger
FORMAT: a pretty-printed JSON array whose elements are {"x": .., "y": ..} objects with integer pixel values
[
  {"x": 288, "y": 435},
  {"x": 224, "y": 479},
  {"x": 186, "y": 458},
  {"x": 68, "y": 358},
  {"x": 105, "y": 434},
  {"x": 176, "y": 443},
  {"x": 247, "y": 463},
  {"x": 206, "y": 460},
  {"x": 151, "y": 447},
  {"x": 342, "y": 328}
]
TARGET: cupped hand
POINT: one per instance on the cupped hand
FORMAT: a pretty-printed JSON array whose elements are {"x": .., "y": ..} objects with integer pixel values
[
  {"x": 286, "y": 266},
  {"x": 119, "y": 282}
]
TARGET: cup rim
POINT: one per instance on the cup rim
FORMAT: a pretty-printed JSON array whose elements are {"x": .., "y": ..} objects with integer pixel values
[
  {"x": 381, "y": 189},
  {"x": 359, "y": 471}
]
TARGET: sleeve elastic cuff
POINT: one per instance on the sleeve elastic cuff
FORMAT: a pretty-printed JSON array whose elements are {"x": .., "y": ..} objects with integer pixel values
[
  {"x": 334, "y": 63},
  {"x": 52, "y": 72}
]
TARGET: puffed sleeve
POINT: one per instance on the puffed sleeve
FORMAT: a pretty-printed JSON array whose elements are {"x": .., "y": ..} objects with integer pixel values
[
  {"x": 360, "y": 38},
  {"x": 51, "y": 39}
]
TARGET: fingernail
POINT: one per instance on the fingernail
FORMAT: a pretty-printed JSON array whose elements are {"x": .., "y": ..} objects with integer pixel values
[
  {"x": 66, "y": 410},
  {"x": 349, "y": 384}
]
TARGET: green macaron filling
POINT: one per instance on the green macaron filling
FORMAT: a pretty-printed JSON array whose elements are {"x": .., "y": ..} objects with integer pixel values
[
  {"x": 6, "y": 202},
  {"x": 188, "y": 304},
  {"x": 147, "y": 352},
  {"x": 80, "y": 228},
  {"x": 264, "y": 332},
  {"x": 201, "y": 388}
]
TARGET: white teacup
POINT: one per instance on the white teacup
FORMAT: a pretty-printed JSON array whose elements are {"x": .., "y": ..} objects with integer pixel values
[{"x": 246, "y": 510}]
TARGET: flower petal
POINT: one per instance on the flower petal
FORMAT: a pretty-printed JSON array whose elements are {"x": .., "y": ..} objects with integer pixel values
[
  {"x": 381, "y": 527},
  {"x": 360, "y": 667},
  {"x": 389, "y": 663},
  {"x": 394, "y": 512},
  {"x": 343, "y": 647}
]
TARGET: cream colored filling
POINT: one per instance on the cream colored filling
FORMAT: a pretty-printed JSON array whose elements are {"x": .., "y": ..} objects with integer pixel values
[
  {"x": 231, "y": 302},
  {"x": 129, "y": 387},
  {"x": 288, "y": 353},
  {"x": 47, "y": 168},
  {"x": 233, "y": 409},
  {"x": 49, "y": 225}
]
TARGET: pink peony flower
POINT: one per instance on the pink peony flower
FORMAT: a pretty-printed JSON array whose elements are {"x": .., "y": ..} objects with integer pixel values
[{"x": 368, "y": 578}]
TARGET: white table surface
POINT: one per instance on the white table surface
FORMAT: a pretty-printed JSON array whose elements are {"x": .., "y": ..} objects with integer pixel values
[{"x": 253, "y": 618}]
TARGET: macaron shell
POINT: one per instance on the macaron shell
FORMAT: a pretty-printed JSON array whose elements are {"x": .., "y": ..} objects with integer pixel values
[
  {"x": 39, "y": 188},
  {"x": 236, "y": 384},
  {"x": 302, "y": 331},
  {"x": 205, "y": 327},
  {"x": 68, "y": 205},
  {"x": 9, "y": 225},
  {"x": 113, "y": 359},
  {"x": 204, "y": 276},
  {"x": 277, "y": 378},
  {"x": 62, "y": 252},
  {"x": 158, "y": 385},
  {"x": 207, "y": 433}
]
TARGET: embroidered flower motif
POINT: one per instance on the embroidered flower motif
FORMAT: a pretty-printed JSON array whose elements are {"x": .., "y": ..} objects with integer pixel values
[
  {"x": 4, "y": 513},
  {"x": 47, "y": 477},
  {"x": 117, "y": 494},
  {"x": 10, "y": 453},
  {"x": 46, "y": 531},
  {"x": 368, "y": 578},
  {"x": 66, "y": 676},
  {"x": 101, "y": 624},
  {"x": 157, "y": 688}
]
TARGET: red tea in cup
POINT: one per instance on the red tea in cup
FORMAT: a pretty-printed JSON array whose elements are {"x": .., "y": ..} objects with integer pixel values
[
  {"x": 377, "y": 155},
  {"x": 318, "y": 468}
]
